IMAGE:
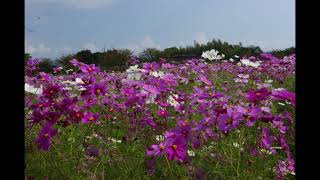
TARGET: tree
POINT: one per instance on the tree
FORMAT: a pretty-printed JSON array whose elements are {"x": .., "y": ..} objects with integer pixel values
[
  {"x": 27, "y": 56},
  {"x": 150, "y": 54},
  {"x": 282, "y": 53},
  {"x": 85, "y": 56},
  {"x": 114, "y": 59},
  {"x": 170, "y": 52},
  {"x": 46, "y": 65},
  {"x": 64, "y": 61}
]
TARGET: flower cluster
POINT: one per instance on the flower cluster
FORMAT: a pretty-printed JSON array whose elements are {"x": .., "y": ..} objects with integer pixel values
[
  {"x": 212, "y": 55},
  {"x": 178, "y": 109}
]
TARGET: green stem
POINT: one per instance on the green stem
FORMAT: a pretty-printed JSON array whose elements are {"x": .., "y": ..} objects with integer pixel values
[{"x": 169, "y": 167}]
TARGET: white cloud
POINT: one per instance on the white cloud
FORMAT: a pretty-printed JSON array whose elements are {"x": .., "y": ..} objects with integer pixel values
[
  {"x": 67, "y": 49},
  {"x": 201, "y": 37},
  {"x": 81, "y": 4},
  {"x": 269, "y": 45},
  {"x": 91, "y": 46},
  {"x": 40, "y": 49},
  {"x": 138, "y": 47},
  {"x": 147, "y": 42}
]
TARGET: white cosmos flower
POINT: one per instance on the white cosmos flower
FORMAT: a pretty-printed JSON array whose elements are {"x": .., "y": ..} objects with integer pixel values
[
  {"x": 236, "y": 145},
  {"x": 67, "y": 88},
  {"x": 191, "y": 153},
  {"x": 69, "y": 82},
  {"x": 114, "y": 140},
  {"x": 278, "y": 90},
  {"x": 265, "y": 109},
  {"x": 269, "y": 81},
  {"x": 81, "y": 88},
  {"x": 79, "y": 81},
  {"x": 236, "y": 56},
  {"x": 33, "y": 90},
  {"x": 159, "y": 137},
  {"x": 264, "y": 85},
  {"x": 69, "y": 70},
  {"x": 134, "y": 73},
  {"x": 277, "y": 148},
  {"x": 266, "y": 151},
  {"x": 150, "y": 98},
  {"x": 172, "y": 101},
  {"x": 231, "y": 60},
  {"x": 247, "y": 62},
  {"x": 212, "y": 55},
  {"x": 133, "y": 69},
  {"x": 244, "y": 76},
  {"x": 134, "y": 76},
  {"x": 157, "y": 74}
]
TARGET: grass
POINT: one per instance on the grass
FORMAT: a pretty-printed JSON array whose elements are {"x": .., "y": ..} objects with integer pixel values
[{"x": 127, "y": 160}]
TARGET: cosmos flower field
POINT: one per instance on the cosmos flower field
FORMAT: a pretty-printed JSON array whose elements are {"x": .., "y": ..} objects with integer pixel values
[{"x": 205, "y": 118}]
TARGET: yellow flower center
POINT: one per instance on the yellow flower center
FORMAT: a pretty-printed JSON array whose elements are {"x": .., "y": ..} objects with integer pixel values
[
  {"x": 229, "y": 121},
  {"x": 161, "y": 147},
  {"x": 174, "y": 147},
  {"x": 90, "y": 69},
  {"x": 91, "y": 118}
]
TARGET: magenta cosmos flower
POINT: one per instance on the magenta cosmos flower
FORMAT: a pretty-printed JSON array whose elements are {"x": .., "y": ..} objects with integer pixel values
[
  {"x": 75, "y": 62},
  {"x": 284, "y": 95},
  {"x": 176, "y": 148},
  {"x": 162, "y": 113},
  {"x": 156, "y": 150},
  {"x": 266, "y": 139},
  {"x": 89, "y": 69},
  {"x": 151, "y": 89},
  {"x": 100, "y": 88},
  {"x": 229, "y": 120},
  {"x": 249, "y": 115},
  {"x": 44, "y": 137},
  {"x": 89, "y": 117},
  {"x": 258, "y": 95}
]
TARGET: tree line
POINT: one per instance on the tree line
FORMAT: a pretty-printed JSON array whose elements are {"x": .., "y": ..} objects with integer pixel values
[{"x": 118, "y": 59}]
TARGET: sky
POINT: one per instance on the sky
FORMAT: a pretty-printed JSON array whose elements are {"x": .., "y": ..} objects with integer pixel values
[{"x": 58, "y": 27}]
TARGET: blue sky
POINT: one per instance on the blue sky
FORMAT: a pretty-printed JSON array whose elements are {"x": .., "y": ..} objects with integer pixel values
[{"x": 57, "y": 27}]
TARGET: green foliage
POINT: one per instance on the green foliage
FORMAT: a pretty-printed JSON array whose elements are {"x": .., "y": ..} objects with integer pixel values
[
  {"x": 126, "y": 160},
  {"x": 27, "y": 56},
  {"x": 46, "y": 65},
  {"x": 113, "y": 59},
  {"x": 85, "y": 56},
  {"x": 195, "y": 51},
  {"x": 281, "y": 53},
  {"x": 63, "y": 61},
  {"x": 117, "y": 59},
  {"x": 150, "y": 54}
]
